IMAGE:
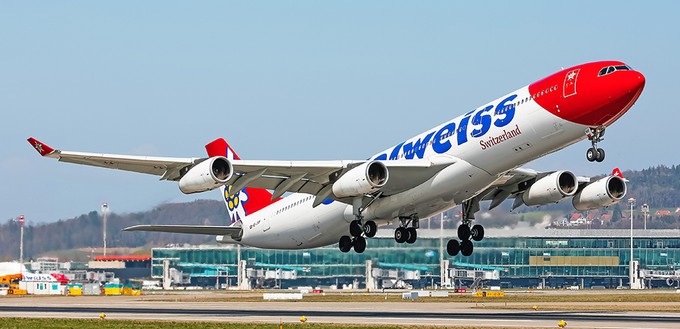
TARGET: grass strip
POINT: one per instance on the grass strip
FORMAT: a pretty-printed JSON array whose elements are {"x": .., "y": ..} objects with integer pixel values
[{"x": 23, "y": 323}]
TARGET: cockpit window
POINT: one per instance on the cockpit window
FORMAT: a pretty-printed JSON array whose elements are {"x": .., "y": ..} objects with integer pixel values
[{"x": 611, "y": 69}]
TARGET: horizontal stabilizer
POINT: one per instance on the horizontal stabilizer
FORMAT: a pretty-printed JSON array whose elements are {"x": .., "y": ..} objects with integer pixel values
[{"x": 234, "y": 231}]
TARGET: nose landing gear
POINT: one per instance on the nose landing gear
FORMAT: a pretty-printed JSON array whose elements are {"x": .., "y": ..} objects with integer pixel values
[{"x": 595, "y": 136}]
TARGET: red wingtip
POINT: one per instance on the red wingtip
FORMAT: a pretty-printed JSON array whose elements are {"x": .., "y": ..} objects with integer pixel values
[
  {"x": 617, "y": 172},
  {"x": 42, "y": 148}
]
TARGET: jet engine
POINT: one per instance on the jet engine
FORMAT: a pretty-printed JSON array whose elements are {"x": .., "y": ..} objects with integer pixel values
[
  {"x": 366, "y": 178},
  {"x": 601, "y": 193},
  {"x": 551, "y": 189},
  {"x": 206, "y": 175}
]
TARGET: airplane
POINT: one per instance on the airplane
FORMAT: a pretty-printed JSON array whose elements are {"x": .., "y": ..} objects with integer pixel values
[{"x": 472, "y": 158}]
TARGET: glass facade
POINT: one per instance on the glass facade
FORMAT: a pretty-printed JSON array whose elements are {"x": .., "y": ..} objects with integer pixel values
[{"x": 567, "y": 254}]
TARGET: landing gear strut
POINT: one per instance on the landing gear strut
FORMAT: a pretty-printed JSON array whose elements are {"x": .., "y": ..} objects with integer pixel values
[
  {"x": 595, "y": 135},
  {"x": 465, "y": 233}
]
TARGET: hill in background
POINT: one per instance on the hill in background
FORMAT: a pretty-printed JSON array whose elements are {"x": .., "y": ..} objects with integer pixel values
[{"x": 85, "y": 231}]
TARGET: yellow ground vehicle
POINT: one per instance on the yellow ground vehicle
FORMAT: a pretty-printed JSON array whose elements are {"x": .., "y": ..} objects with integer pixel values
[
  {"x": 111, "y": 289},
  {"x": 12, "y": 280},
  {"x": 131, "y": 290},
  {"x": 74, "y": 289}
]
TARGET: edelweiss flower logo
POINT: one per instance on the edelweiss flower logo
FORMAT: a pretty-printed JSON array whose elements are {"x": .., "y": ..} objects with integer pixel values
[{"x": 235, "y": 204}]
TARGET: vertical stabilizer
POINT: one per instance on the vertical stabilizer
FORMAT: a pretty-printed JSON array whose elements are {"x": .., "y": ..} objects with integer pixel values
[{"x": 245, "y": 202}]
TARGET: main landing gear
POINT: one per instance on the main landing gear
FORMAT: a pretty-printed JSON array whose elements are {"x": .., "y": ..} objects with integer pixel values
[
  {"x": 595, "y": 136},
  {"x": 357, "y": 232},
  {"x": 358, "y": 228},
  {"x": 465, "y": 232},
  {"x": 358, "y": 242},
  {"x": 407, "y": 234}
]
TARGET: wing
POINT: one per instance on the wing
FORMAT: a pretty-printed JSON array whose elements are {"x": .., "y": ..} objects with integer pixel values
[
  {"x": 233, "y": 231},
  {"x": 167, "y": 168},
  {"x": 513, "y": 183},
  {"x": 316, "y": 177},
  {"x": 312, "y": 177}
]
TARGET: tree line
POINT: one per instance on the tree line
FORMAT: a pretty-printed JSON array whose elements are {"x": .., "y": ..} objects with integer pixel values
[{"x": 85, "y": 231}]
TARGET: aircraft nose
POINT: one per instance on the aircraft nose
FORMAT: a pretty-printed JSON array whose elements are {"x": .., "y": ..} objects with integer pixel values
[
  {"x": 626, "y": 89},
  {"x": 631, "y": 85},
  {"x": 595, "y": 94},
  {"x": 626, "y": 83},
  {"x": 638, "y": 82}
]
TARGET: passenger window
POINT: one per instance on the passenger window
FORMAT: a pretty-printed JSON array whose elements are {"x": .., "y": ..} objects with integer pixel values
[{"x": 610, "y": 69}]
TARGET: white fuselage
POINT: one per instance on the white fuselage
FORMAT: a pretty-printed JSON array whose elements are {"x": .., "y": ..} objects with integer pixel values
[{"x": 485, "y": 143}]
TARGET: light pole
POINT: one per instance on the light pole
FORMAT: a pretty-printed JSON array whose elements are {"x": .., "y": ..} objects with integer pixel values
[
  {"x": 21, "y": 241},
  {"x": 631, "y": 201},
  {"x": 105, "y": 211},
  {"x": 645, "y": 213},
  {"x": 442, "y": 270}
]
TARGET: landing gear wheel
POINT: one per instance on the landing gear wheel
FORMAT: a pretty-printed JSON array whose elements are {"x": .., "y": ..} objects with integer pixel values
[
  {"x": 355, "y": 228},
  {"x": 370, "y": 228},
  {"x": 592, "y": 154},
  {"x": 412, "y": 235},
  {"x": 464, "y": 232},
  {"x": 453, "y": 247},
  {"x": 477, "y": 232},
  {"x": 345, "y": 243},
  {"x": 466, "y": 248},
  {"x": 359, "y": 244},
  {"x": 600, "y": 155},
  {"x": 400, "y": 235}
]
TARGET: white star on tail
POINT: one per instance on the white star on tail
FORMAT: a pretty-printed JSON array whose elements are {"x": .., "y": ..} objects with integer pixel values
[{"x": 38, "y": 147}]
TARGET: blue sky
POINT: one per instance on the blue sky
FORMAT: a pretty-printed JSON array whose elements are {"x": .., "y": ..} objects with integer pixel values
[{"x": 296, "y": 80}]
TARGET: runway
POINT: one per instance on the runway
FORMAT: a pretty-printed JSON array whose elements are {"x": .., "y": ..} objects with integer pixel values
[{"x": 415, "y": 313}]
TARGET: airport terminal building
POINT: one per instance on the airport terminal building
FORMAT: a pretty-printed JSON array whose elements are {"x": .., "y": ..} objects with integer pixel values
[{"x": 552, "y": 258}]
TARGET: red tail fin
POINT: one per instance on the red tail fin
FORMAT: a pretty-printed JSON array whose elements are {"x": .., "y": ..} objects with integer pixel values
[
  {"x": 41, "y": 147},
  {"x": 245, "y": 202},
  {"x": 617, "y": 172}
]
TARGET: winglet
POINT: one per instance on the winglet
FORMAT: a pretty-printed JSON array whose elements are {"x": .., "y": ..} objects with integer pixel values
[
  {"x": 41, "y": 147},
  {"x": 617, "y": 172}
]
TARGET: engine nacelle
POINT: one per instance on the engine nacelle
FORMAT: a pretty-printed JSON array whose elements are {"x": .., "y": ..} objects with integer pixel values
[
  {"x": 206, "y": 175},
  {"x": 551, "y": 189},
  {"x": 366, "y": 178},
  {"x": 601, "y": 193}
]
